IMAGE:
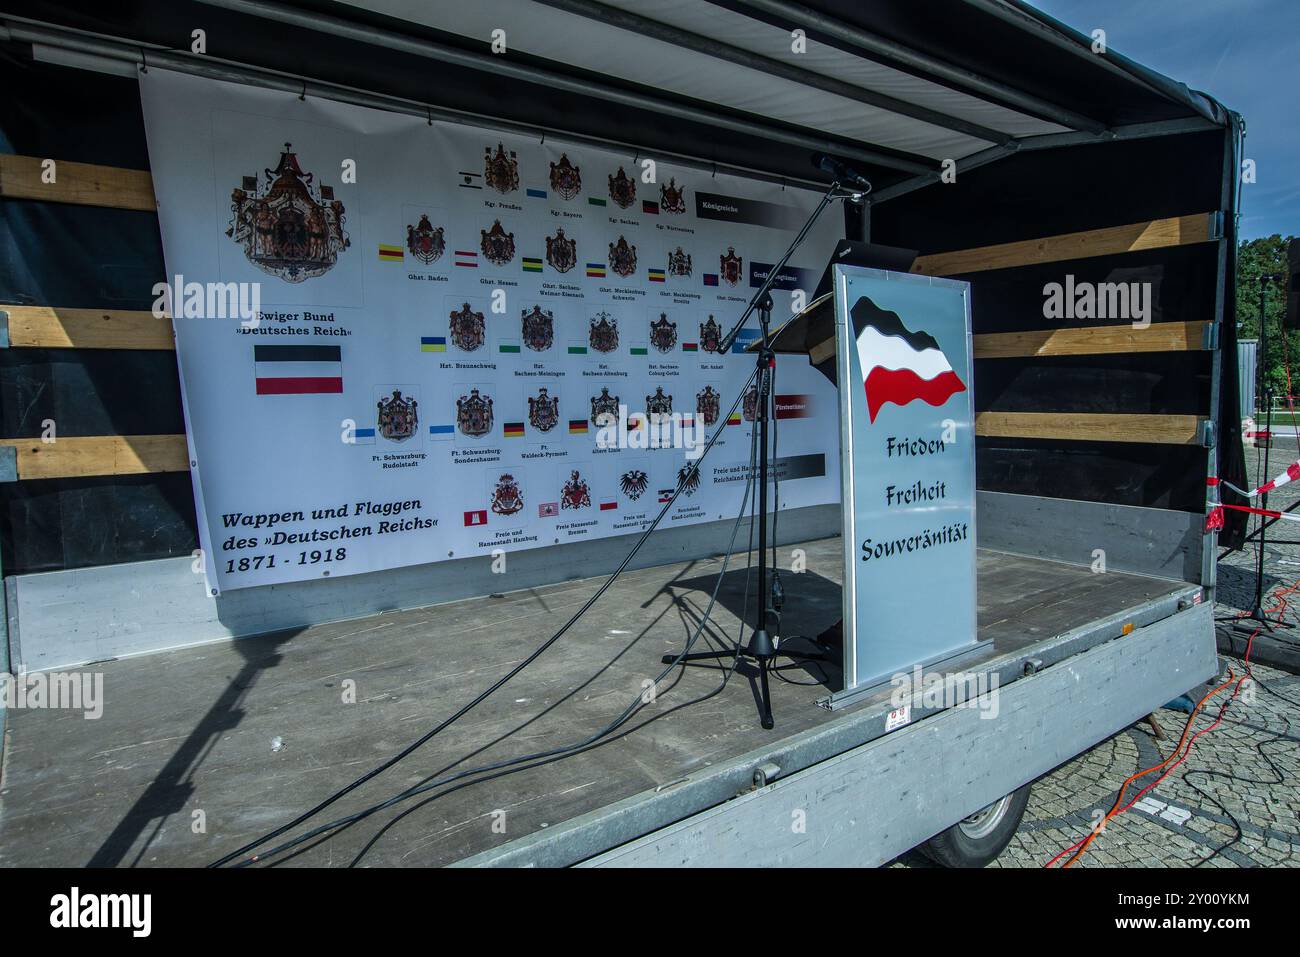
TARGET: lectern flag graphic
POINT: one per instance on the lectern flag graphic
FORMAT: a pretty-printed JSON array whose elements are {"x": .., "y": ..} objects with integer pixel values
[{"x": 899, "y": 365}]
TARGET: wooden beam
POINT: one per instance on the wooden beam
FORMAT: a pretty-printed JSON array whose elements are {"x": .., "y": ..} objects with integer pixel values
[
  {"x": 53, "y": 327},
  {"x": 1153, "y": 234},
  {"x": 1091, "y": 427},
  {"x": 23, "y": 177},
  {"x": 1092, "y": 340},
  {"x": 85, "y": 456}
]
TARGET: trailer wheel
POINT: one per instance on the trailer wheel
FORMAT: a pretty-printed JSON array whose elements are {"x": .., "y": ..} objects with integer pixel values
[{"x": 978, "y": 839}]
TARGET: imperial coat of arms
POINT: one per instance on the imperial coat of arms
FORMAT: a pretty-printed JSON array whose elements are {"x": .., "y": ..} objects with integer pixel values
[
  {"x": 474, "y": 414},
  {"x": 424, "y": 242},
  {"x": 663, "y": 334},
  {"x": 749, "y": 407},
  {"x": 543, "y": 410},
  {"x": 498, "y": 245},
  {"x": 603, "y": 334},
  {"x": 730, "y": 264},
  {"x": 467, "y": 329},
  {"x": 566, "y": 179},
  {"x": 507, "y": 497},
  {"x": 672, "y": 198},
  {"x": 622, "y": 189},
  {"x": 622, "y": 257},
  {"x": 575, "y": 493},
  {"x": 398, "y": 418},
  {"x": 604, "y": 404},
  {"x": 710, "y": 335},
  {"x": 538, "y": 328},
  {"x": 707, "y": 403},
  {"x": 633, "y": 483},
  {"x": 561, "y": 252},
  {"x": 287, "y": 225},
  {"x": 688, "y": 477},
  {"x": 659, "y": 404},
  {"x": 679, "y": 263},
  {"x": 501, "y": 170}
]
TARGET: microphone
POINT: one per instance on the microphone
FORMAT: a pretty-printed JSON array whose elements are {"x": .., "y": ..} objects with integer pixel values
[{"x": 845, "y": 174}]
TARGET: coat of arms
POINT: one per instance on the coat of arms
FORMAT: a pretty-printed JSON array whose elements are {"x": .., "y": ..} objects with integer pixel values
[
  {"x": 659, "y": 404},
  {"x": 688, "y": 477},
  {"x": 679, "y": 263},
  {"x": 604, "y": 404},
  {"x": 474, "y": 414},
  {"x": 663, "y": 334},
  {"x": 566, "y": 179},
  {"x": 633, "y": 483},
  {"x": 672, "y": 198},
  {"x": 749, "y": 407},
  {"x": 707, "y": 403},
  {"x": 501, "y": 171},
  {"x": 467, "y": 329},
  {"x": 603, "y": 334},
  {"x": 287, "y": 225},
  {"x": 507, "y": 497},
  {"x": 543, "y": 410},
  {"x": 622, "y": 257},
  {"x": 561, "y": 252},
  {"x": 730, "y": 264},
  {"x": 575, "y": 493},
  {"x": 498, "y": 245},
  {"x": 622, "y": 189},
  {"x": 538, "y": 328},
  {"x": 424, "y": 242},
  {"x": 398, "y": 419},
  {"x": 710, "y": 335}
]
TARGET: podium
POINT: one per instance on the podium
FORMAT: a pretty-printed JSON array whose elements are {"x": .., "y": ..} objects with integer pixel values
[{"x": 898, "y": 348}]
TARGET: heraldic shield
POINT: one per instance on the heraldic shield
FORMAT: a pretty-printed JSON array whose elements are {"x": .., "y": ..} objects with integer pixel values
[
  {"x": 398, "y": 417},
  {"x": 575, "y": 493},
  {"x": 474, "y": 414},
  {"x": 730, "y": 266},
  {"x": 679, "y": 263},
  {"x": 710, "y": 335},
  {"x": 424, "y": 242},
  {"x": 603, "y": 334},
  {"x": 538, "y": 328},
  {"x": 507, "y": 497},
  {"x": 663, "y": 333},
  {"x": 604, "y": 404},
  {"x": 561, "y": 252},
  {"x": 633, "y": 483},
  {"x": 543, "y": 410},
  {"x": 566, "y": 179},
  {"x": 622, "y": 189},
  {"x": 749, "y": 407},
  {"x": 500, "y": 170},
  {"x": 468, "y": 329},
  {"x": 498, "y": 246},
  {"x": 288, "y": 227},
  {"x": 622, "y": 257},
  {"x": 672, "y": 198},
  {"x": 707, "y": 404},
  {"x": 688, "y": 477},
  {"x": 659, "y": 404}
]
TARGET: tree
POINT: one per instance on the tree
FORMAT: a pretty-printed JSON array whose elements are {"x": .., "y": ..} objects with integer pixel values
[{"x": 1267, "y": 256}]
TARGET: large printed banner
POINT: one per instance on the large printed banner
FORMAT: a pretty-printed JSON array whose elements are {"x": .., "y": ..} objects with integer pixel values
[{"x": 397, "y": 339}]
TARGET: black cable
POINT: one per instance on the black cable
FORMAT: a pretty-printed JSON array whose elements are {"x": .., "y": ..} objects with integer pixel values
[
  {"x": 555, "y": 753},
  {"x": 484, "y": 695}
]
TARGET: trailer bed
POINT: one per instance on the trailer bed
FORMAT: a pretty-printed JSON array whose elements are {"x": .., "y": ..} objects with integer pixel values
[{"x": 128, "y": 785}]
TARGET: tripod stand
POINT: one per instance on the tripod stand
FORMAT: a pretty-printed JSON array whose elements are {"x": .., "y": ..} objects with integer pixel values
[{"x": 762, "y": 646}]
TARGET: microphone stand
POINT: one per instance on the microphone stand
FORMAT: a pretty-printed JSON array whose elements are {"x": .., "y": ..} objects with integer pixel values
[{"x": 762, "y": 647}]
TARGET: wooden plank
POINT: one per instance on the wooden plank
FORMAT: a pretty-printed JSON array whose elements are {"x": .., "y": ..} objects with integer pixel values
[
  {"x": 21, "y": 177},
  {"x": 83, "y": 456},
  {"x": 1092, "y": 340},
  {"x": 1091, "y": 427},
  {"x": 1153, "y": 234},
  {"x": 53, "y": 327}
]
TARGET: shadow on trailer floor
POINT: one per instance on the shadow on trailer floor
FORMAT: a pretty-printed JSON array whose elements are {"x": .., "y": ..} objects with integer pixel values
[{"x": 182, "y": 768}]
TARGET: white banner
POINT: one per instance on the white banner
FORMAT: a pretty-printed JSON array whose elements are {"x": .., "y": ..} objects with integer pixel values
[{"x": 396, "y": 339}]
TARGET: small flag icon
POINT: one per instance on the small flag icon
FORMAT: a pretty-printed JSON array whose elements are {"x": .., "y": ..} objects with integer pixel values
[
  {"x": 608, "y": 506},
  {"x": 536, "y": 193},
  {"x": 548, "y": 510},
  {"x": 690, "y": 347},
  {"x": 476, "y": 518},
  {"x": 639, "y": 351},
  {"x": 442, "y": 431},
  {"x": 734, "y": 419},
  {"x": 595, "y": 201},
  {"x": 577, "y": 426},
  {"x": 657, "y": 275},
  {"x": 532, "y": 264},
  {"x": 650, "y": 207},
  {"x": 391, "y": 254},
  {"x": 508, "y": 347},
  {"x": 514, "y": 430},
  {"x": 710, "y": 279},
  {"x": 363, "y": 436},
  {"x": 433, "y": 343},
  {"x": 595, "y": 270},
  {"x": 665, "y": 494},
  {"x": 298, "y": 370},
  {"x": 577, "y": 350},
  {"x": 469, "y": 258},
  {"x": 471, "y": 180}
]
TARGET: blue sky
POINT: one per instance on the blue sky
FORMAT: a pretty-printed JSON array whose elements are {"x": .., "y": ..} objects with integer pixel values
[{"x": 1244, "y": 53}]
